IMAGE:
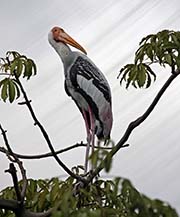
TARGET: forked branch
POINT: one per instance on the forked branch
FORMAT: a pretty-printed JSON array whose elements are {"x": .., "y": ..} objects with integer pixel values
[
  {"x": 45, "y": 135},
  {"x": 14, "y": 158}
]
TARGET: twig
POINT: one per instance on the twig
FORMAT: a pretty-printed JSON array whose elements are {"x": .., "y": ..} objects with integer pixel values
[
  {"x": 5, "y": 139},
  {"x": 133, "y": 125},
  {"x": 13, "y": 157},
  {"x": 24, "y": 103},
  {"x": 49, "y": 154},
  {"x": 45, "y": 135}
]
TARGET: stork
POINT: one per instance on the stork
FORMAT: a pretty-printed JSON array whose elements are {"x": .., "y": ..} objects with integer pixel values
[{"x": 86, "y": 85}]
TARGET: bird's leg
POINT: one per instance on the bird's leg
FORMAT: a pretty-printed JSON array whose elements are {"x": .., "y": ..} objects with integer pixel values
[
  {"x": 87, "y": 156},
  {"x": 92, "y": 130},
  {"x": 88, "y": 141}
]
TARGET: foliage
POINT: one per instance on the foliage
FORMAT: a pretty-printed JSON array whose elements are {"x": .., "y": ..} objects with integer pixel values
[
  {"x": 13, "y": 66},
  {"x": 162, "y": 48},
  {"x": 101, "y": 198}
]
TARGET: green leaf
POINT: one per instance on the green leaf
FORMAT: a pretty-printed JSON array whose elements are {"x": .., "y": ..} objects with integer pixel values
[
  {"x": 141, "y": 79},
  {"x": 4, "y": 90},
  {"x": 125, "y": 71},
  {"x": 55, "y": 191},
  {"x": 13, "y": 66},
  {"x": 19, "y": 64},
  {"x": 148, "y": 83},
  {"x": 149, "y": 53},
  {"x": 145, "y": 39},
  {"x": 30, "y": 68},
  {"x": 2, "y": 82},
  {"x": 15, "y": 54},
  {"x": 34, "y": 68},
  {"x": 132, "y": 77},
  {"x": 42, "y": 198},
  {"x": 148, "y": 68},
  {"x": 176, "y": 39},
  {"x": 139, "y": 55},
  {"x": 19, "y": 68},
  {"x": 11, "y": 91},
  {"x": 168, "y": 59}
]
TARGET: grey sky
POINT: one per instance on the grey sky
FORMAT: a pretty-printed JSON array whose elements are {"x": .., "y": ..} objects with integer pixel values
[{"x": 110, "y": 31}]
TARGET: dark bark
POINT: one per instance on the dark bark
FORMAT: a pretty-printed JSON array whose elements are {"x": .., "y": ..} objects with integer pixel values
[{"x": 20, "y": 210}]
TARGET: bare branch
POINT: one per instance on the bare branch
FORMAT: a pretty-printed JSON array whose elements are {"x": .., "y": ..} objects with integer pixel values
[
  {"x": 45, "y": 135},
  {"x": 13, "y": 158},
  {"x": 12, "y": 171},
  {"x": 134, "y": 124},
  {"x": 23, "y": 103},
  {"x": 17, "y": 208},
  {"x": 5, "y": 139},
  {"x": 8, "y": 204},
  {"x": 49, "y": 154}
]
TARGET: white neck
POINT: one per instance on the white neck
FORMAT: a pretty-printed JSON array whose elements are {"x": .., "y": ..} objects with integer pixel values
[{"x": 63, "y": 50}]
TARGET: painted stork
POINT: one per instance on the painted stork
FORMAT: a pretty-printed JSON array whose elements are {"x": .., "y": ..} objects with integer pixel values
[{"x": 87, "y": 86}]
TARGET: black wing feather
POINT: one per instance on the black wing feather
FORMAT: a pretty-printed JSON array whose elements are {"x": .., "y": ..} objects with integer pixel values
[{"x": 89, "y": 71}]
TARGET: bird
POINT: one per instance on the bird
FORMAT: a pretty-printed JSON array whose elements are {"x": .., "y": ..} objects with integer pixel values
[{"x": 86, "y": 85}]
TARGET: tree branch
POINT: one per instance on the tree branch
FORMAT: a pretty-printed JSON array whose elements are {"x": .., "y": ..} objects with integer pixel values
[
  {"x": 45, "y": 135},
  {"x": 13, "y": 158},
  {"x": 5, "y": 139},
  {"x": 8, "y": 204},
  {"x": 19, "y": 210},
  {"x": 49, "y": 154},
  {"x": 133, "y": 125},
  {"x": 12, "y": 171}
]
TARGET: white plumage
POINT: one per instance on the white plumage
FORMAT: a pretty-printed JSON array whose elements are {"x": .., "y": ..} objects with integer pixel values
[{"x": 87, "y": 86}]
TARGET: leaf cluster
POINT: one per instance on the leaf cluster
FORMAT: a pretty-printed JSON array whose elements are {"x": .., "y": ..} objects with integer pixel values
[
  {"x": 116, "y": 198},
  {"x": 162, "y": 48},
  {"x": 12, "y": 67}
]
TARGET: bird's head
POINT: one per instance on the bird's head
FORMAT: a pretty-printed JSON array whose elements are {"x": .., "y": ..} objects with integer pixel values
[{"x": 58, "y": 35}]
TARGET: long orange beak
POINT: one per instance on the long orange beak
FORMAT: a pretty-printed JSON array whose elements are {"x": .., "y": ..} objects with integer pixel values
[{"x": 60, "y": 35}]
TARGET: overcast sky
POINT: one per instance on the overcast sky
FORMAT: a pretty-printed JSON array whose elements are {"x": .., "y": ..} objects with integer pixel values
[{"x": 110, "y": 31}]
